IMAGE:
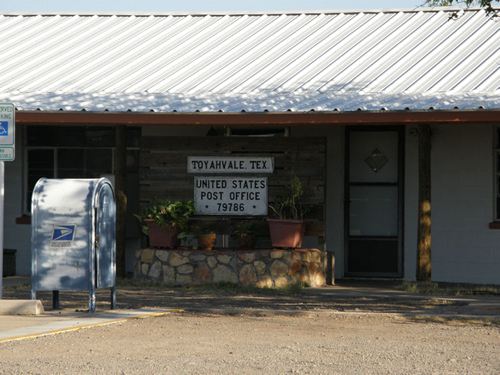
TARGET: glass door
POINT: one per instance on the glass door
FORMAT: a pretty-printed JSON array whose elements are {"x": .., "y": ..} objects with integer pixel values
[{"x": 374, "y": 202}]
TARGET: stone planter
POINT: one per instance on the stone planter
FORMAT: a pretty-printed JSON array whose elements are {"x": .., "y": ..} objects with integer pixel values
[
  {"x": 162, "y": 236},
  {"x": 286, "y": 233},
  {"x": 271, "y": 268}
]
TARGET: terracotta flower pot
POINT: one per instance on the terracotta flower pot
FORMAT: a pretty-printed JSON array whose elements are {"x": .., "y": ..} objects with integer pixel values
[
  {"x": 286, "y": 233},
  {"x": 206, "y": 241},
  {"x": 162, "y": 236}
]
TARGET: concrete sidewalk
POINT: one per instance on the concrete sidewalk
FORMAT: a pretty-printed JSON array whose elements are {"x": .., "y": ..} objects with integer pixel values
[
  {"x": 16, "y": 327},
  {"x": 19, "y": 327}
]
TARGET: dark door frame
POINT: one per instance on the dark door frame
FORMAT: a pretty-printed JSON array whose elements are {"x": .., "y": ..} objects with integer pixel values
[{"x": 400, "y": 183}]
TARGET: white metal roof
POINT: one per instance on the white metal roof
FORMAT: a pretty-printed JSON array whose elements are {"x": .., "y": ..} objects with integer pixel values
[{"x": 231, "y": 62}]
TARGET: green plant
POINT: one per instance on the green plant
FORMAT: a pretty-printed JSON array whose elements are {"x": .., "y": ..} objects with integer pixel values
[
  {"x": 243, "y": 228},
  {"x": 289, "y": 205},
  {"x": 245, "y": 233},
  {"x": 200, "y": 227},
  {"x": 167, "y": 212},
  {"x": 254, "y": 227}
]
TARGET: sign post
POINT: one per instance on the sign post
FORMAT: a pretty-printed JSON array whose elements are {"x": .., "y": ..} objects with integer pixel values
[
  {"x": 7, "y": 153},
  {"x": 2, "y": 170}
]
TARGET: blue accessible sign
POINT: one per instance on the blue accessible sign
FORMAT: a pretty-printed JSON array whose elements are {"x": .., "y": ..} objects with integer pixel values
[
  {"x": 4, "y": 128},
  {"x": 7, "y": 132}
]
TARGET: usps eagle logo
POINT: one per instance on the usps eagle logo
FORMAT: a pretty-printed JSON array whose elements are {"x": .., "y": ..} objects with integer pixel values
[{"x": 63, "y": 232}]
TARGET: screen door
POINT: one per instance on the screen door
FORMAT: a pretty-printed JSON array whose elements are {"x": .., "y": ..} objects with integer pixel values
[{"x": 374, "y": 203}]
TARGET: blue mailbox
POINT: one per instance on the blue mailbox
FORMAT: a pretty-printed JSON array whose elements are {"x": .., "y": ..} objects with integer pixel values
[{"x": 73, "y": 243}]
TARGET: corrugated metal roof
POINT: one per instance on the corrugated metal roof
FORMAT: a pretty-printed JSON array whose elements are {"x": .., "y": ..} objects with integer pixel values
[{"x": 254, "y": 62}]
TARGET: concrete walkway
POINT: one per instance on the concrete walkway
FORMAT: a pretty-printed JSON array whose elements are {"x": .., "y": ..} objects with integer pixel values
[{"x": 18, "y": 327}]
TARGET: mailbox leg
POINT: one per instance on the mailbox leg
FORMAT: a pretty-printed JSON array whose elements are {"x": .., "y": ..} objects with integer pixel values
[
  {"x": 113, "y": 298},
  {"x": 55, "y": 300},
  {"x": 92, "y": 301}
]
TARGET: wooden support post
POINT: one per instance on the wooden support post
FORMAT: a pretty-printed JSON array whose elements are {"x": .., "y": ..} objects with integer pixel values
[
  {"x": 330, "y": 268},
  {"x": 120, "y": 166},
  {"x": 424, "y": 266},
  {"x": 328, "y": 258}
]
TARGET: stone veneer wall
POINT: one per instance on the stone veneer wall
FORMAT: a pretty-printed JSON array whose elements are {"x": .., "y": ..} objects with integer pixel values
[{"x": 262, "y": 268}]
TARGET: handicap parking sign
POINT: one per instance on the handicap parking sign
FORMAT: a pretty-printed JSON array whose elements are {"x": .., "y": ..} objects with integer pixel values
[
  {"x": 7, "y": 131},
  {"x": 4, "y": 128}
]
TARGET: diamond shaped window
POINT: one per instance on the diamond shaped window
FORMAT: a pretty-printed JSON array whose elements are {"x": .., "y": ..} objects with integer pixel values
[{"x": 376, "y": 160}]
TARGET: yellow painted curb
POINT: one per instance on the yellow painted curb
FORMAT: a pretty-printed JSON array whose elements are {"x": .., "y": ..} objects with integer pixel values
[{"x": 87, "y": 326}]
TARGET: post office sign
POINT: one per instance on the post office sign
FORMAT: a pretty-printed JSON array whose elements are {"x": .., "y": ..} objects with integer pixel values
[
  {"x": 230, "y": 165},
  {"x": 233, "y": 196}
]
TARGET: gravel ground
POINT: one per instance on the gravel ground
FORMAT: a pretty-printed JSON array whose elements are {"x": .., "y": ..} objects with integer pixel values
[
  {"x": 309, "y": 342},
  {"x": 337, "y": 330}
]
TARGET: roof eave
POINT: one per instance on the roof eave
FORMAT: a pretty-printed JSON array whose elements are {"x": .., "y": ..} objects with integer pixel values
[
  {"x": 258, "y": 118},
  {"x": 239, "y": 13}
]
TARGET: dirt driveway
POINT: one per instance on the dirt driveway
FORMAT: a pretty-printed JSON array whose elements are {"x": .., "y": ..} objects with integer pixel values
[
  {"x": 319, "y": 343},
  {"x": 346, "y": 331}
]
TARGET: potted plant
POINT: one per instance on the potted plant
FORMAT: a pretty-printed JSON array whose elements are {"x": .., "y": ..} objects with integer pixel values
[
  {"x": 205, "y": 236},
  {"x": 287, "y": 228},
  {"x": 164, "y": 220},
  {"x": 245, "y": 234}
]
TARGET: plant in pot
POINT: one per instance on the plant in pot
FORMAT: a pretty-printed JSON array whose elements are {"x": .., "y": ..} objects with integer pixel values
[
  {"x": 205, "y": 236},
  {"x": 245, "y": 234},
  {"x": 164, "y": 221},
  {"x": 287, "y": 227}
]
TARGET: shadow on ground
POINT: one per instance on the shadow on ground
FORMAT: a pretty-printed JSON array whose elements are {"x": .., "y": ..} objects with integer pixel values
[{"x": 358, "y": 298}]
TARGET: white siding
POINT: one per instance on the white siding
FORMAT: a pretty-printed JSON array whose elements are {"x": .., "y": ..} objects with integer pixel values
[
  {"x": 464, "y": 249},
  {"x": 16, "y": 236}
]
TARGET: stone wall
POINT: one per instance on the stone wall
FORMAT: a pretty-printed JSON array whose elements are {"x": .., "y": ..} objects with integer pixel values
[{"x": 262, "y": 268}]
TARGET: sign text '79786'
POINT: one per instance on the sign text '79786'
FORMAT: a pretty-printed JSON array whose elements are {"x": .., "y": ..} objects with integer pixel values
[{"x": 230, "y": 196}]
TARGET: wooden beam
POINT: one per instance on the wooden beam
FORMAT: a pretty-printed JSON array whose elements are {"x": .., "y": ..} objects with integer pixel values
[
  {"x": 258, "y": 119},
  {"x": 424, "y": 265},
  {"x": 120, "y": 172}
]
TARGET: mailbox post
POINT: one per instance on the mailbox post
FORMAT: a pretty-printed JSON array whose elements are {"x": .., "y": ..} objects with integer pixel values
[
  {"x": 73, "y": 237},
  {"x": 7, "y": 153}
]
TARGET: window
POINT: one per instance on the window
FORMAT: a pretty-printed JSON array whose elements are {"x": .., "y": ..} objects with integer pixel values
[
  {"x": 58, "y": 162},
  {"x": 41, "y": 164},
  {"x": 70, "y": 152}
]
